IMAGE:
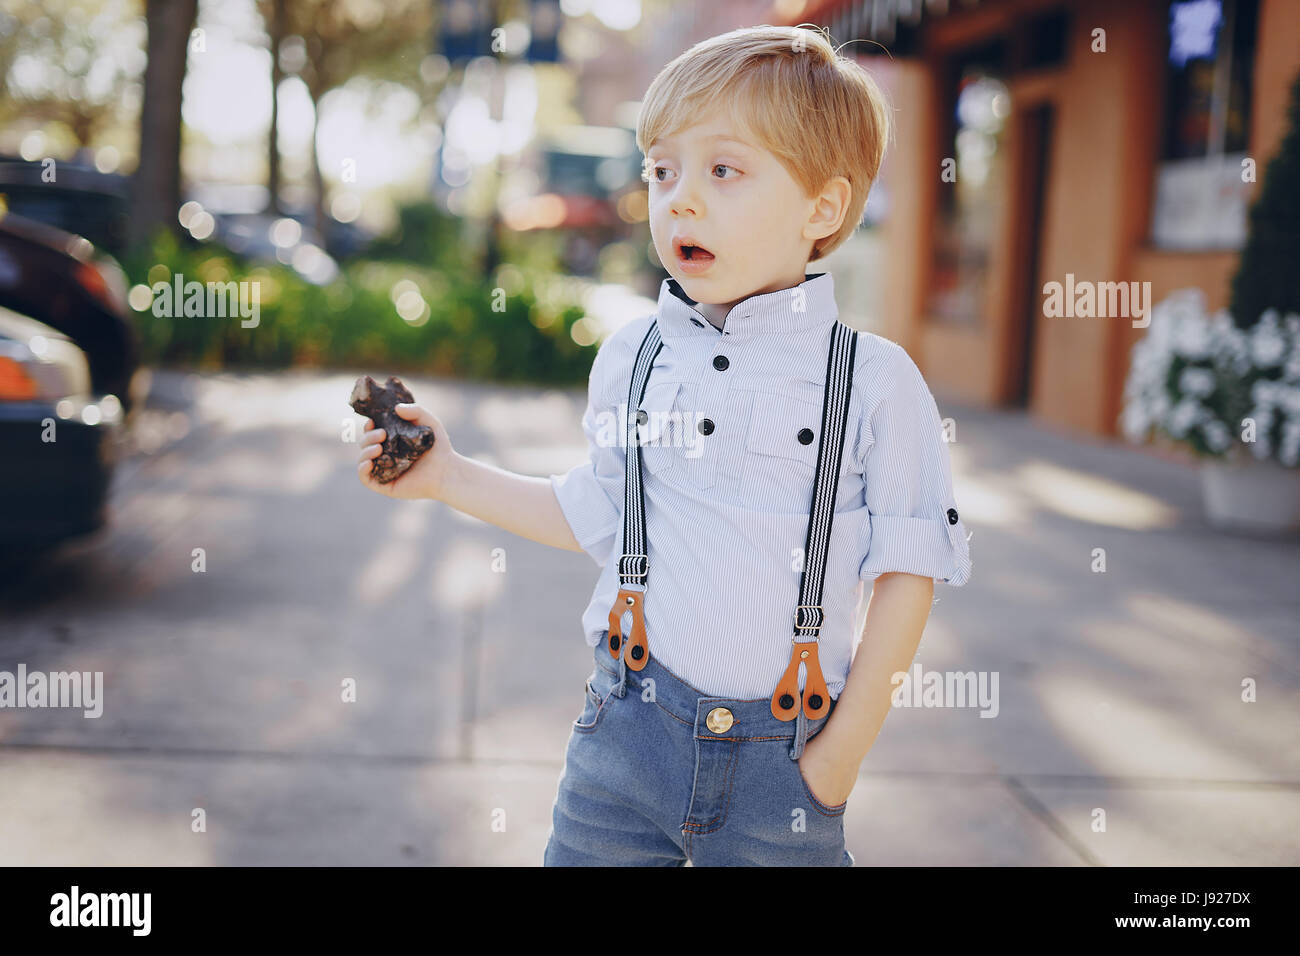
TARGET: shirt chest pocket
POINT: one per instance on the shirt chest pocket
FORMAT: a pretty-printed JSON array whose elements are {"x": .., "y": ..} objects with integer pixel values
[
  {"x": 660, "y": 426},
  {"x": 780, "y": 456}
]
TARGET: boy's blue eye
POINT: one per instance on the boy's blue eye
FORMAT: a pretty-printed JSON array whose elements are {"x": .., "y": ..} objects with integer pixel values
[{"x": 654, "y": 172}]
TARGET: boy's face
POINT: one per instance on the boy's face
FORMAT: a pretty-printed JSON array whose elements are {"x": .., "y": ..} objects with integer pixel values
[{"x": 715, "y": 184}]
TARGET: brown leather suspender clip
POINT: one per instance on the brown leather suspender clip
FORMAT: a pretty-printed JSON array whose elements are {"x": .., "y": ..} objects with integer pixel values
[
  {"x": 816, "y": 699},
  {"x": 631, "y": 597}
]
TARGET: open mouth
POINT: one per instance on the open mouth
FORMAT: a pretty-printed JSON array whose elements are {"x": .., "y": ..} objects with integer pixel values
[{"x": 693, "y": 252}]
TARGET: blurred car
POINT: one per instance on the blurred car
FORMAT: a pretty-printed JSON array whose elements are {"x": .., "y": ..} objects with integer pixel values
[
  {"x": 344, "y": 240},
  {"x": 235, "y": 217},
  {"x": 260, "y": 237},
  {"x": 79, "y": 199},
  {"x": 68, "y": 362}
]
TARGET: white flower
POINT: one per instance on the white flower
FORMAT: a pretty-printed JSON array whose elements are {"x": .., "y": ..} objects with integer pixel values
[
  {"x": 1263, "y": 416},
  {"x": 1289, "y": 453},
  {"x": 1262, "y": 392},
  {"x": 1134, "y": 421},
  {"x": 1160, "y": 405},
  {"x": 1185, "y": 414},
  {"x": 1291, "y": 369},
  {"x": 1196, "y": 381},
  {"x": 1288, "y": 397},
  {"x": 1263, "y": 362},
  {"x": 1192, "y": 338},
  {"x": 1268, "y": 345},
  {"x": 1217, "y": 436}
]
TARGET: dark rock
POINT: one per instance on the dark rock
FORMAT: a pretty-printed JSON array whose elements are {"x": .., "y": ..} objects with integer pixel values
[{"x": 404, "y": 441}]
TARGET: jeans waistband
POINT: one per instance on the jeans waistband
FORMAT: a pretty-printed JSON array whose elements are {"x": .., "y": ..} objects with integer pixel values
[{"x": 752, "y": 719}]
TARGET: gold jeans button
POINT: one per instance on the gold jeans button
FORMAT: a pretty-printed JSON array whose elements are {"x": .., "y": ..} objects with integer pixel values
[{"x": 719, "y": 720}]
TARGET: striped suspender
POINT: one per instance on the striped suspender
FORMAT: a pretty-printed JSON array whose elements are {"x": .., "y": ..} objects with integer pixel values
[
  {"x": 808, "y": 614},
  {"x": 634, "y": 565}
]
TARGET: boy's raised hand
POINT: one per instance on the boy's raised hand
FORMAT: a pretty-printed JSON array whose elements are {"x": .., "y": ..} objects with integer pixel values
[{"x": 425, "y": 478}]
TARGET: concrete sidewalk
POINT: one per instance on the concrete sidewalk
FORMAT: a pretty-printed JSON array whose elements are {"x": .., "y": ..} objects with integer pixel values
[{"x": 1120, "y": 693}]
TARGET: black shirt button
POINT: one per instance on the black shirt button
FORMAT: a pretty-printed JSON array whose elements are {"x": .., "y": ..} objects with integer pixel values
[
  {"x": 805, "y": 436},
  {"x": 952, "y": 515},
  {"x": 698, "y": 322},
  {"x": 641, "y": 416},
  {"x": 706, "y": 426},
  {"x": 720, "y": 363}
]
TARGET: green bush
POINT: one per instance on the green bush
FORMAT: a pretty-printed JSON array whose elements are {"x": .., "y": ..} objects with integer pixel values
[
  {"x": 354, "y": 320},
  {"x": 424, "y": 235},
  {"x": 1267, "y": 277}
]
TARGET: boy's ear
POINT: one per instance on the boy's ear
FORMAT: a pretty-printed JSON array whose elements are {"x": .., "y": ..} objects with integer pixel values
[{"x": 829, "y": 209}]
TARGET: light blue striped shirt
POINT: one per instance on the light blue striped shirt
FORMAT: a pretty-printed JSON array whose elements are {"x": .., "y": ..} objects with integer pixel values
[{"x": 730, "y": 440}]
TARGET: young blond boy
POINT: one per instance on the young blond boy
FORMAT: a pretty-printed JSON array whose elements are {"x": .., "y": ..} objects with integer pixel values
[{"x": 761, "y": 145}]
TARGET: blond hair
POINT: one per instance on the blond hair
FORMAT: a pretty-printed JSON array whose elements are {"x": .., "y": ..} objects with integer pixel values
[{"x": 819, "y": 113}]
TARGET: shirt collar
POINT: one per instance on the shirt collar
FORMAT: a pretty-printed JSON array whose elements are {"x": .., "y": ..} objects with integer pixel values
[{"x": 780, "y": 311}]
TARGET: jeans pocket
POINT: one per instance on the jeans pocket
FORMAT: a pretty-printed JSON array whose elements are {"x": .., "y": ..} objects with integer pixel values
[
  {"x": 598, "y": 690},
  {"x": 830, "y": 810}
]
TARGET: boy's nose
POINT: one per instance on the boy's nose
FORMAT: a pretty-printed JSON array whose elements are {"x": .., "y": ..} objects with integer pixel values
[
  {"x": 684, "y": 198},
  {"x": 684, "y": 205}
]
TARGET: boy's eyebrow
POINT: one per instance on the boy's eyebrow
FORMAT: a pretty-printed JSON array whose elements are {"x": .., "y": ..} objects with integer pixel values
[{"x": 715, "y": 137}]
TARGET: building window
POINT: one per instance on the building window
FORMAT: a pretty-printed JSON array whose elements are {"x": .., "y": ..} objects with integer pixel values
[
  {"x": 968, "y": 205},
  {"x": 1200, "y": 198}
]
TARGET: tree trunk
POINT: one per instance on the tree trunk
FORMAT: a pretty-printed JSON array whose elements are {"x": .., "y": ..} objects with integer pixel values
[
  {"x": 317, "y": 178},
  {"x": 156, "y": 185},
  {"x": 276, "y": 30}
]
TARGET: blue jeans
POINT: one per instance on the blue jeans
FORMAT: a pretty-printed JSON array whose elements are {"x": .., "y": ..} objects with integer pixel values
[{"x": 656, "y": 773}]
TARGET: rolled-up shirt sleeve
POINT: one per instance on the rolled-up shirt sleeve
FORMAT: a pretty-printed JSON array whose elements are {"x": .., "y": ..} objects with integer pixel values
[
  {"x": 591, "y": 493},
  {"x": 914, "y": 525}
]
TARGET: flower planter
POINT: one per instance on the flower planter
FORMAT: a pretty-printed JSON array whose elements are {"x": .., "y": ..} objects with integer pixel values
[{"x": 1251, "y": 495}]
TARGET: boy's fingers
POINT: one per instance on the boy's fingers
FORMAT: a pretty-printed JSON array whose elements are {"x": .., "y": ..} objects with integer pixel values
[
  {"x": 372, "y": 437},
  {"x": 416, "y": 413},
  {"x": 369, "y": 424}
]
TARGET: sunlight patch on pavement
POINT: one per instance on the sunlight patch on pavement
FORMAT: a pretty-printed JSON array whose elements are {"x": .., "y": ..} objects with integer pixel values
[
  {"x": 464, "y": 577},
  {"x": 393, "y": 563},
  {"x": 1147, "y": 733},
  {"x": 507, "y": 415},
  {"x": 1197, "y": 627},
  {"x": 293, "y": 471},
  {"x": 411, "y": 519},
  {"x": 64, "y": 810},
  {"x": 1085, "y": 497},
  {"x": 988, "y": 502}
]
